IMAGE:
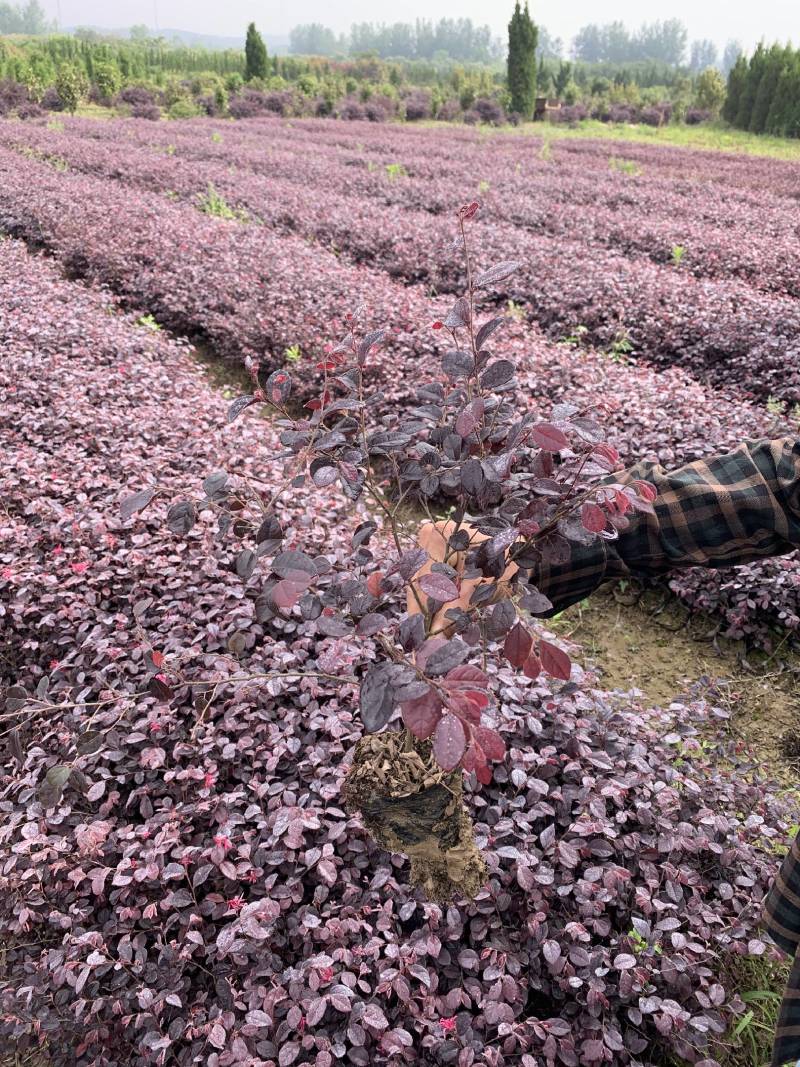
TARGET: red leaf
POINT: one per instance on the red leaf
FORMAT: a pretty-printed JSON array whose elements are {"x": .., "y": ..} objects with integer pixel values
[
  {"x": 471, "y": 757},
  {"x": 593, "y": 518},
  {"x": 532, "y": 667},
  {"x": 158, "y": 659},
  {"x": 549, "y": 437},
  {"x": 491, "y": 742},
  {"x": 439, "y": 587},
  {"x": 467, "y": 696},
  {"x": 484, "y": 773},
  {"x": 555, "y": 661},
  {"x": 517, "y": 645},
  {"x": 463, "y": 705},
  {"x": 286, "y": 593},
  {"x": 449, "y": 742},
  {"x": 609, "y": 454},
  {"x": 467, "y": 674},
  {"x": 422, "y": 715},
  {"x": 646, "y": 490},
  {"x": 374, "y": 584}
]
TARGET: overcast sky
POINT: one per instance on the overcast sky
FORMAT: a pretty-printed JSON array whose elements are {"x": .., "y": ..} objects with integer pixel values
[{"x": 718, "y": 19}]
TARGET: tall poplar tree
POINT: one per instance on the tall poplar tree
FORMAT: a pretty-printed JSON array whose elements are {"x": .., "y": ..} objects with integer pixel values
[
  {"x": 255, "y": 52},
  {"x": 523, "y": 36}
]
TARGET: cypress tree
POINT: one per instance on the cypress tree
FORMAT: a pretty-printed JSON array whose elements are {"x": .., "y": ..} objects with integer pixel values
[
  {"x": 736, "y": 82},
  {"x": 786, "y": 120},
  {"x": 755, "y": 72},
  {"x": 774, "y": 65},
  {"x": 255, "y": 52},
  {"x": 523, "y": 36},
  {"x": 780, "y": 106}
]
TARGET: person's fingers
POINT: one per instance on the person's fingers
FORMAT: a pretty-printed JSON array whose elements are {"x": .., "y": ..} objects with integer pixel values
[{"x": 434, "y": 538}]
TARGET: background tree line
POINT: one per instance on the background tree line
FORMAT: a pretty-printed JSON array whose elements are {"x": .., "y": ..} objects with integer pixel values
[
  {"x": 657, "y": 45},
  {"x": 764, "y": 91},
  {"x": 27, "y": 18}
]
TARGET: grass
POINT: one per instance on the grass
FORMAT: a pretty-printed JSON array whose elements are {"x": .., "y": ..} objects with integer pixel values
[
  {"x": 760, "y": 982},
  {"x": 709, "y": 137}
]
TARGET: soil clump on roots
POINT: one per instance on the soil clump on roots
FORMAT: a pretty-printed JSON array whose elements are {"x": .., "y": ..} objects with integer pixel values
[{"x": 411, "y": 806}]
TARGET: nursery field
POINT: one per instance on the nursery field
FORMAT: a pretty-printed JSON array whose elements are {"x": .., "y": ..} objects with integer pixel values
[{"x": 182, "y": 882}]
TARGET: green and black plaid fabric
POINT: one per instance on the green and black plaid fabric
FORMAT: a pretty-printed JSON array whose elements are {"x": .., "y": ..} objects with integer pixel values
[{"x": 718, "y": 512}]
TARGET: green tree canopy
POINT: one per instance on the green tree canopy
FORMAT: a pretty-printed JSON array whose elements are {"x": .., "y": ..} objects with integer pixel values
[
  {"x": 710, "y": 90},
  {"x": 255, "y": 54},
  {"x": 522, "y": 71},
  {"x": 71, "y": 85}
]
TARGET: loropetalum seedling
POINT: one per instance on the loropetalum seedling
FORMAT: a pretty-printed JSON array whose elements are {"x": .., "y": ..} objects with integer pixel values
[{"x": 516, "y": 493}]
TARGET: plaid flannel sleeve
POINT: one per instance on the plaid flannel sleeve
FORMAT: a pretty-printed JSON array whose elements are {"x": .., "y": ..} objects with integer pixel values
[{"x": 718, "y": 512}]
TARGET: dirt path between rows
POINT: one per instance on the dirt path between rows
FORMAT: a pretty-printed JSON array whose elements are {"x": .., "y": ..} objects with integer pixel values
[{"x": 649, "y": 644}]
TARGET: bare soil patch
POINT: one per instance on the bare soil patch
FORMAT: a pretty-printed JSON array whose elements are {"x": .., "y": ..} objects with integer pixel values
[{"x": 647, "y": 642}]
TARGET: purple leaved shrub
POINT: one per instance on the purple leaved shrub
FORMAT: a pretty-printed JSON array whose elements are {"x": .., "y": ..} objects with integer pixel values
[
  {"x": 151, "y": 112},
  {"x": 50, "y": 100},
  {"x": 136, "y": 96},
  {"x": 696, "y": 115},
  {"x": 418, "y": 105},
  {"x": 14, "y": 98}
]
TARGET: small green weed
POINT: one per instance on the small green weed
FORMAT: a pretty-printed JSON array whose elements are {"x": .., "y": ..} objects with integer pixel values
[
  {"x": 678, "y": 252},
  {"x": 546, "y": 152},
  {"x": 515, "y": 311},
  {"x": 624, "y": 166},
  {"x": 149, "y": 323},
  {"x": 214, "y": 204},
  {"x": 293, "y": 354},
  {"x": 396, "y": 170},
  {"x": 483, "y": 187},
  {"x": 621, "y": 348},
  {"x": 577, "y": 337},
  {"x": 216, "y": 137}
]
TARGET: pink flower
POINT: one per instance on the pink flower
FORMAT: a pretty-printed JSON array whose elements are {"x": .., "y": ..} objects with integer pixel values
[
  {"x": 448, "y": 1024},
  {"x": 235, "y": 903},
  {"x": 80, "y": 568},
  {"x": 223, "y": 842}
]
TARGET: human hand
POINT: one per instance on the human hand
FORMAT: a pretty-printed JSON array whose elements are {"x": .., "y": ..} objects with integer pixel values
[{"x": 433, "y": 538}]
